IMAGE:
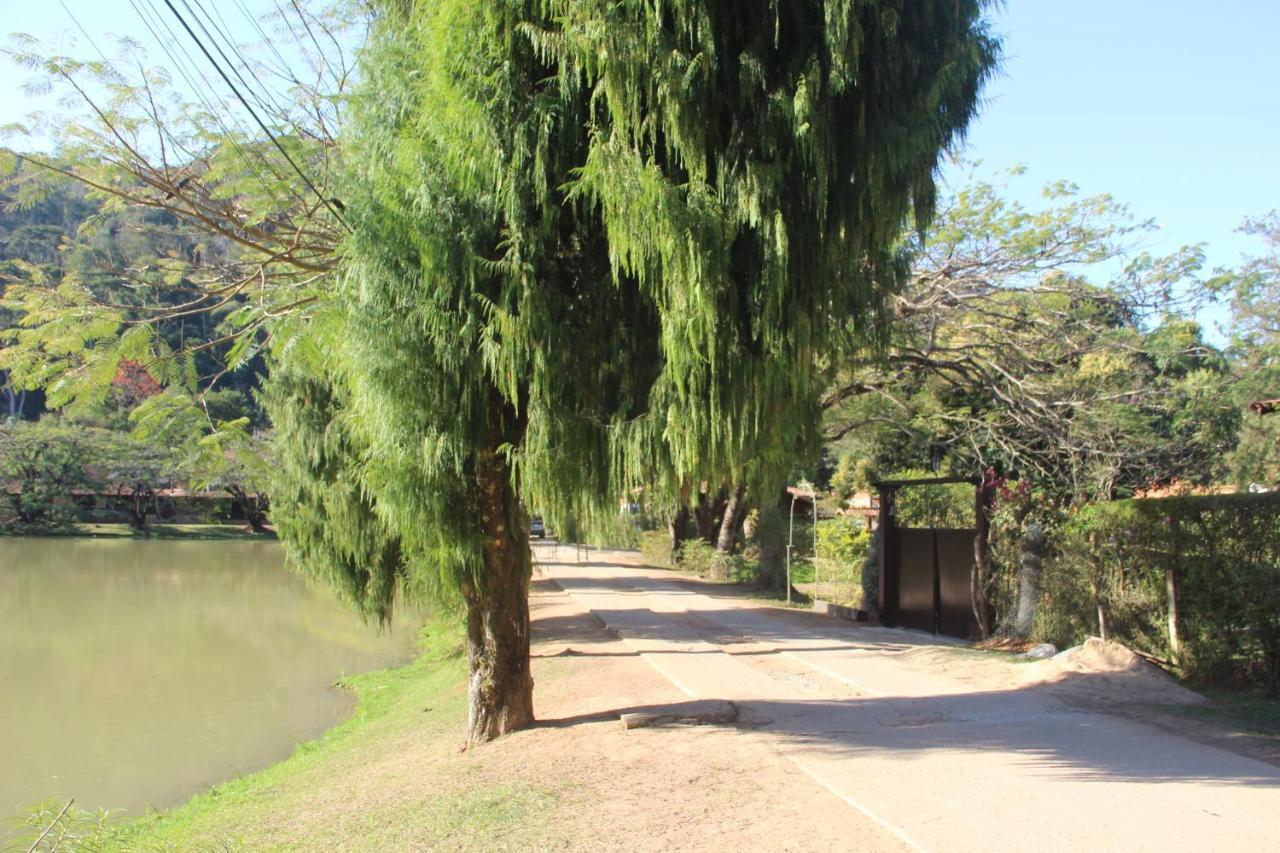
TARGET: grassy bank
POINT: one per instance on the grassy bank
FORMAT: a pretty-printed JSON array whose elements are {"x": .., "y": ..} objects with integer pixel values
[
  {"x": 319, "y": 798},
  {"x": 156, "y": 531}
]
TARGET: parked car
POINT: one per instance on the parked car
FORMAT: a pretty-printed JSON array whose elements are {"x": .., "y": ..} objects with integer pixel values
[{"x": 536, "y": 527}]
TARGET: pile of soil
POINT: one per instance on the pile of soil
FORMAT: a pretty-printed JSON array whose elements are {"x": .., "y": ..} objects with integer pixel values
[{"x": 1110, "y": 672}]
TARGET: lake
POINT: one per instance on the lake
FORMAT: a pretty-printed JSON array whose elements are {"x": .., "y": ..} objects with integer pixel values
[{"x": 134, "y": 674}]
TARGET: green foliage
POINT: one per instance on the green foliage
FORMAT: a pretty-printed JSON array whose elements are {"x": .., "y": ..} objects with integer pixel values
[
  {"x": 1224, "y": 552},
  {"x": 843, "y": 540},
  {"x": 843, "y": 544},
  {"x": 41, "y": 465},
  {"x": 853, "y": 474},
  {"x": 1255, "y": 347},
  {"x": 1016, "y": 506},
  {"x": 611, "y": 530},
  {"x": 698, "y": 556},
  {"x": 702, "y": 558},
  {"x": 655, "y": 545},
  {"x": 870, "y": 575},
  {"x": 57, "y": 825},
  {"x": 324, "y": 513},
  {"x": 1007, "y": 353},
  {"x": 947, "y": 505},
  {"x": 565, "y": 255}
]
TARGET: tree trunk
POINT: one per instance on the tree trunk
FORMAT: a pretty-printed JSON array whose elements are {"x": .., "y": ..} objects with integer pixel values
[
  {"x": 727, "y": 541},
  {"x": 981, "y": 576},
  {"x": 707, "y": 515},
  {"x": 1029, "y": 572},
  {"x": 254, "y": 507},
  {"x": 677, "y": 530},
  {"x": 1171, "y": 595},
  {"x": 1095, "y": 584},
  {"x": 771, "y": 535},
  {"x": 500, "y": 687}
]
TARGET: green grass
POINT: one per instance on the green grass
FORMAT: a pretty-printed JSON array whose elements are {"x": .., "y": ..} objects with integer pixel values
[
  {"x": 344, "y": 790},
  {"x": 157, "y": 531},
  {"x": 1252, "y": 710}
]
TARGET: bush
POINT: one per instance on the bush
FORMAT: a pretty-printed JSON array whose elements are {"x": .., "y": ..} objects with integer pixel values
[
  {"x": 655, "y": 545},
  {"x": 46, "y": 465},
  {"x": 843, "y": 541},
  {"x": 870, "y": 576},
  {"x": 948, "y": 505},
  {"x": 1221, "y": 554},
  {"x": 842, "y": 549},
  {"x": 696, "y": 555}
]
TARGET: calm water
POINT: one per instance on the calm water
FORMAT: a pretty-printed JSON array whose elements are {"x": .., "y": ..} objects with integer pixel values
[{"x": 135, "y": 674}]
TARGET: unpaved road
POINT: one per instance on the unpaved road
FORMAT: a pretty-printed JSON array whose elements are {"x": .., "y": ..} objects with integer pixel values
[{"x": 932, "y": 754}]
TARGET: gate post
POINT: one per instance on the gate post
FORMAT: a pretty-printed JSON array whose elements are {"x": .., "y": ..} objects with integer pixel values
[
  {"x": 888, "y": 586},
  {"x": 983, "y": 499}
]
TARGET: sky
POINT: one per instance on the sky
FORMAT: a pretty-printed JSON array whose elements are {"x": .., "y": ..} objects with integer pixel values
[{"x": 1171, "y": 106}]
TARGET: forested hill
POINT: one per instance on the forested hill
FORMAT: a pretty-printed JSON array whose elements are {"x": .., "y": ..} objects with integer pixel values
[{"x": 56, "y": 233}]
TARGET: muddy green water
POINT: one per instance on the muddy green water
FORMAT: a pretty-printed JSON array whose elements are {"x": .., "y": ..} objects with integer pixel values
[{"x": 135, "y": 674}]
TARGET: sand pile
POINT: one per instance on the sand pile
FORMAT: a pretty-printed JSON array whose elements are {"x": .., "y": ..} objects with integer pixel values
[{"x": 1108, "y": 671}]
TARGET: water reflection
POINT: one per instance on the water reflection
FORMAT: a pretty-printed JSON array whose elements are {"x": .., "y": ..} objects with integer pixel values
[{"x": 134, "y": 674}]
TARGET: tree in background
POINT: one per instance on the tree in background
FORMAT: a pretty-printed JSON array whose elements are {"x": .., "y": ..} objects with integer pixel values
[
  {"x": 41, "y": 467},
  {"x": 1004, "y": 353},
  {"x": 207, "y": 224},
  {"x": 1255, "y": 347}
]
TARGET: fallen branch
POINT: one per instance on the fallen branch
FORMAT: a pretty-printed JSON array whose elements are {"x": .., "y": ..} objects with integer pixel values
[{"x": 50, "y": 827}]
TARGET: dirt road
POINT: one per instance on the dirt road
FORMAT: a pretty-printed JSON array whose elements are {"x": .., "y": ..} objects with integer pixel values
[{"x": 946, "y": 753}]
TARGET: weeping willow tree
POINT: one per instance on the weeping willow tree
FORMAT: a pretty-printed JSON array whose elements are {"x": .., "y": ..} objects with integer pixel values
[{"x": 597, "y": 244}]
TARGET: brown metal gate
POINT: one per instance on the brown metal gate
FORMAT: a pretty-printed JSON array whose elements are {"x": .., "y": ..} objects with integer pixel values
[
  {"x": 916, "y": 557},
  {"x": 929, "y": 581}
]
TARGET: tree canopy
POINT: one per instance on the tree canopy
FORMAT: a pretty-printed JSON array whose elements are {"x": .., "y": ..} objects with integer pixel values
[
  {"x": 1045, "y": 343},
  {"x": 597, "y": 245},
  {"x": 542, "y": 253}
]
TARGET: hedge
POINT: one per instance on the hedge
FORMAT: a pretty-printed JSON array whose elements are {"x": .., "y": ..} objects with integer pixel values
[{"x": 1192, "y": 580}]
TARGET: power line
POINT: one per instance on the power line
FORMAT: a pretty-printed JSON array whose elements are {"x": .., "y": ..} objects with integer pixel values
[
  {"x": 187, "y": 66},
  {"x": 182, "y": 64},
  {"x": 267, "y": 103},
  {"x": 327, "y": 203}
]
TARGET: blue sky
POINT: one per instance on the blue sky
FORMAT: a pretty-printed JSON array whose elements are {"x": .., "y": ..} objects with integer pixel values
[{"x": 1172, "y": 106}]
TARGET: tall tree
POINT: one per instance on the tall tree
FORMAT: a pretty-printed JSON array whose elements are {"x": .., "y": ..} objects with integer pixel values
[
  {"x": 594, "y": 244},
  {"x": 1255, "y": 345},
  {"x": 597, "y": 244},
  {"x": 1005, "y": 352}
]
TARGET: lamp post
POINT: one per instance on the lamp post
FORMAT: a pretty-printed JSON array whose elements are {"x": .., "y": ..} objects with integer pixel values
[{"x": 801, "y": 489}]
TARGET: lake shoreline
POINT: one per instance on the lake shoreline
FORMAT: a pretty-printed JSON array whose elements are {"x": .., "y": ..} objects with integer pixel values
[
  {"x": 430, "y": 688},
  {"x": 205, "y": 532},
  {"x": 138, "y": 671}
]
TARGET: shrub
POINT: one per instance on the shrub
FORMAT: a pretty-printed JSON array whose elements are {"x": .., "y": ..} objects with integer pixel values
[
  {"x": 45, "y": 465},
  {"x": 842, "y": 549},
  {"x": 870, "y": 576},
  {"x": 697, "y": 555},
  {"x": 945, "y": 505},
  {"x": 1220, "y": 555},
  {"x": 655, "y": 545},
  {"x": 843, "y": 541}
]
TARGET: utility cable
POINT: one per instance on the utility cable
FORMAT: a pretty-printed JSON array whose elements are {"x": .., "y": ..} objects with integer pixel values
[{"x": 311, "y": 186}]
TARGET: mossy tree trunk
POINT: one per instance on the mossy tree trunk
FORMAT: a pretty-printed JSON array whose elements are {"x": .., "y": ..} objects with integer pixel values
[{"x": 500, "y": 686}]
